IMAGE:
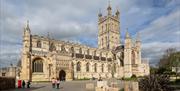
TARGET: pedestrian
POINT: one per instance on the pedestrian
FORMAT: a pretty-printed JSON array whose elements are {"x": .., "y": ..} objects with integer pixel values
[
  {"x": 53, "y": 82},
  {"x": 57, "y": 83},
  {"x": 23, "y": 84},
  {"x": 28, "y": 84}
]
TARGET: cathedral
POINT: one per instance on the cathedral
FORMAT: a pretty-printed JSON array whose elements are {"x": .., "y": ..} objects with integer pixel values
[{"x": 44, "y": 58}]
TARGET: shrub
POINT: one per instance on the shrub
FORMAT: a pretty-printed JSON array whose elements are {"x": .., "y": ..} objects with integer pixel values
[
  {"x": 121, "y": 89},
  {"x": 133, "y": 76},
  {"x": 155, "y": 83},
  {"x": 177, "y": 81}
]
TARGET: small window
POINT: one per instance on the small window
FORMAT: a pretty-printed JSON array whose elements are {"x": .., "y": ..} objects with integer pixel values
[
  {"x": 80, "y": 50},
  {"x": 88, "y": 52},
  {"x": 39, "y": 44},
  {"x": 72, "y": 49},
  {"x": 95, "y": 53},
  {"x": 102, "y": 68},
  {"x": 87, "y": 67},
  {"x": 109, "y": 68},
  {"x": 95, "y": 67},
  {"x": 3, "y": 74}
]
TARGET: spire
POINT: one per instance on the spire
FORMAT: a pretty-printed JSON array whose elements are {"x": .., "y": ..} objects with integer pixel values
[
  {"x": 138, "y": 39},
  {"x": 127, "y": 34},
  {"x": 109, "y": 8},
  {"x": 27, "y": 26},
  {"x": 117, "y": 12},
  {"x": 48, "y": 35},
  {"x": 99, "y": 14}
]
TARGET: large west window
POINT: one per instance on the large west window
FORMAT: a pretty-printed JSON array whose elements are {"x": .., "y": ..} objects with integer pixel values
[{"x": 37, "y": 65}]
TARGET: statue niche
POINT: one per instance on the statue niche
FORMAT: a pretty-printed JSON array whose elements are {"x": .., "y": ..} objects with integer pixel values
[
  {"x": 52, "y": 47},
  {"x": 63, "y": 49},
  {"x": 120, "y": 57}
]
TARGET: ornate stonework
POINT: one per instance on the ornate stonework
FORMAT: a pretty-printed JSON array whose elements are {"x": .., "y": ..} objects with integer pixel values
[{"x": 44, "y": 58}]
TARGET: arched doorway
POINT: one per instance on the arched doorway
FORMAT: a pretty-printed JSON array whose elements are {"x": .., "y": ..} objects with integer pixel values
[{"x": 62, "y": 75}]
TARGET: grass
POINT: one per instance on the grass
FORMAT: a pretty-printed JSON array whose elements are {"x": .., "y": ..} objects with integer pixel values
[{"x": 129, "y": 79}]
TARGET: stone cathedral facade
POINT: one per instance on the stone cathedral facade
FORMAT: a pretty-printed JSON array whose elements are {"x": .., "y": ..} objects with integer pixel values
[{"x": 44, "y": 58}]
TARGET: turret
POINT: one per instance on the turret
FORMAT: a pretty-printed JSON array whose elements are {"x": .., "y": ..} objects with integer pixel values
[
  {"x": 128, "y": 41},
  {"x": 128, "y": 56},
  {"x": 99, "y": 15},
  {"x": 109, "y": 30},
  {"x": 138, "y": 48},
  {"x": 26, "y": 38},
  {"x": 26, "y": 54},
  {"x": 117, "y": 14},
  {"x": 138, "y": 41},
  {"x": 109, "y": 10},
  {"x": 27, "y": 30}
]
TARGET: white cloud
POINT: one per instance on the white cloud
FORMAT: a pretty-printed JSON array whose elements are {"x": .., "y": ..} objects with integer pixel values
[
  {"x": 160, "y": 35},
  {"x": 163, "y": 28}
]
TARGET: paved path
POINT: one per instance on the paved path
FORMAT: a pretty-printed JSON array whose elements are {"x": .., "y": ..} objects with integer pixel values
[{"x": 64, "y": 86}]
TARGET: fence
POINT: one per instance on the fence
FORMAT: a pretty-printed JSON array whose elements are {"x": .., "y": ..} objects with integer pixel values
[{"x": 7, "y": 83}]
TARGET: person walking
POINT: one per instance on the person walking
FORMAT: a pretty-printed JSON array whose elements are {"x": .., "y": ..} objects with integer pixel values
[
  {"x": 23, "y": 84},
  {"x": 53, "y": 82},
  {"x": 57, "y": 83},
  {"x": 28, "y": 84}
]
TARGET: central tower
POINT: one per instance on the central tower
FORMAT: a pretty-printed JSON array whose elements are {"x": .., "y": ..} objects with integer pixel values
[{"x": 109, "y": 29}]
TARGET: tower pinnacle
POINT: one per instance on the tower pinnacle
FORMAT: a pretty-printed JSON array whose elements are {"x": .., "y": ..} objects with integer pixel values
[
  {"x": 27, "y": 26},
  {"x": 127, "y": 34},
  {"x": 138, "y": 37},
  {"x": 109, "y": 8},
  {"x": 99, "y": 14}
]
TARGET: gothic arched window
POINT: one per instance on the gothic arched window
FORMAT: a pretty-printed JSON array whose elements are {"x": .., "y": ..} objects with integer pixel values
[
  {"x": 63, "y": 48},
  {"x": 114, "y": 67},
  {"x": 88, "y": 52},
  {"x": 100, "y": 54},
  {"x": 106, "y": 27},
  {"x": 109, "y": 68},
  {"x": 107, "y": 55},
  {"x": 102, "y": 29},
  {"x": 72, "y": 49},
  {"x": 106, "y": 40},
  {"x": 95, "y": 67},
  {"x": 39, "y": 44},
  {"x": 80, "y": 50},
  {"x": 72, "y": 65},
  {"x": 78, "y": 67},
  {"x": 37, "y": 65},
  {"x": 87, "y": 67},
  {"x": 95, "y": 53},
  {"x": 102, "y": 42},
  {"x": 102, "y": 67},
  {"x": 133, "y": 57}
]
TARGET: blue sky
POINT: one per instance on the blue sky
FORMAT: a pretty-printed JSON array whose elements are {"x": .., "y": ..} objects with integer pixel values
[{"x": 157, "y": 21}]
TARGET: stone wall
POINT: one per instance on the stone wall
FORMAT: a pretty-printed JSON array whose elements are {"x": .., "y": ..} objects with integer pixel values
[
  {"x": 7, "y": 83},
  {"x": 117, "y": 85}
]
